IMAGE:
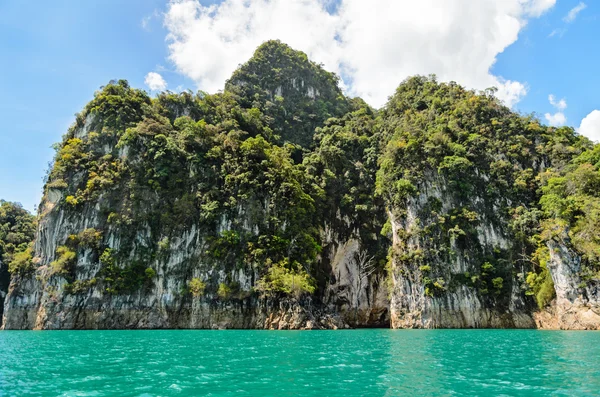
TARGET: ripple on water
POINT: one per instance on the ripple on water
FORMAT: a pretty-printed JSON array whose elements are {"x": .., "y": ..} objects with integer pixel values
[{"x": 347, "y": 363}]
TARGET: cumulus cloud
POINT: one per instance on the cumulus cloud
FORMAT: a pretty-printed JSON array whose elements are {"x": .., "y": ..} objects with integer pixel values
[
  {"x": 572, "y": 15},
  {"x": 536, "y": 8},
  {"x": 590, "y": 126},
  {"x": 372, "y": 45},
  {"x": 557, "y": 119},
  {"x": 155, "y": 82}
]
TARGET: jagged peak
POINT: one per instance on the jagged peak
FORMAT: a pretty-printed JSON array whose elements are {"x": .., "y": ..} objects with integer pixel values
[
  {"x": 297, "y": 92},
  {"x": 276, "y": 68}
]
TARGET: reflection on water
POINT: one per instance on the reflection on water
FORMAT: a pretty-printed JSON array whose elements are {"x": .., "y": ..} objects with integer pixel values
[{"x": 287, "y": 363}]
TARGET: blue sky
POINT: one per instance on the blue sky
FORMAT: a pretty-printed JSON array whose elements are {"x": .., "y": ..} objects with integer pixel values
[
  {"x": 565, "y": 66},
  {"x": 56, "y": 54}
]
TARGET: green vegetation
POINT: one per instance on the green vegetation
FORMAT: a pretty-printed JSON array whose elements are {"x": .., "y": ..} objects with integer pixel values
[
  {"x": 122, "y": 279},
  {"x": 571, "y": 202},
  {"x": 484, "y": 163},
  {"x": 80, "y": 286},
  {"x": 65, "y": 261},
  {"x": 17, "y": 229},
  {"x": 275, "y": 171},
  {"x": 88, "y": 238},
  {"x": 182, "y": 159},
  {"x": 21, "y": 262},
  {"x": 287, "y": 92},
  {"x": 150, "y": 273},
  {"x": 280, "y": 279},
  {"x": 197, "y": 287},
  {"x": 224, "y": 292}
]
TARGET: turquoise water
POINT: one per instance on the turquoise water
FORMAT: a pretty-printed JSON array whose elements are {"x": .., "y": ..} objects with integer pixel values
[{"x": 289, "y": 363}]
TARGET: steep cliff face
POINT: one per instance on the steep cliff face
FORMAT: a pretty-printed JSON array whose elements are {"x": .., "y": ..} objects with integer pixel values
[
  {"x": 46, "y": 300},
  {"x": 459, "y": 174},
  {"x": 17, "y": 227},
  {"x": 355, "y": 288},
  {"x": 183, "y": 212},
  {"x": 571, "y": 201},
  {"x": 577, "y": 304},
  {"x": 445, "y": 283},
  {"x": 4, "y": 282},
  {"x": 282, "y": 204}
]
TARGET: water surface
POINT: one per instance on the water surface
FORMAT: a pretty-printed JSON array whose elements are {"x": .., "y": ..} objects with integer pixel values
[{"x": 290, "y": 363}]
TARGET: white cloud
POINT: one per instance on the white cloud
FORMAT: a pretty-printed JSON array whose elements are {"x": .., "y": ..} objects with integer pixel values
[
  {"x": 569, "y": 18},
  {"x": 590, "y": 126},
  {"x": 536, "y": 8},
  {"x": 373, "y": 45},
  {"x": 560, "y": 105},
  {"x": 572, "y": 15},
  {"x": 557, "y": 119},
  {"x": 155, "y": 82},
  {"x": 510, "y": 92},
  {"x": 558, "y": 33},
  {"x": 146, "y": 21}
]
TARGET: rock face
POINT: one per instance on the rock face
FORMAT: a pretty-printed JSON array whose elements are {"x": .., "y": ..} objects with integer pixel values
[
  {"x": 282, "y": 204},
  {"x": 40, "y": 302},
  {"x": 461, "y": 178},
  {"x": 432, "y": 291},
  {"x": 362, "y": 299},
  {"x": 109, "y": 253},
  {"x": 577, "y": 304},
  {"x": 43, "y": 301},
  {"x": 4, "y": 282},
  {"x": 156, "y": 310}
]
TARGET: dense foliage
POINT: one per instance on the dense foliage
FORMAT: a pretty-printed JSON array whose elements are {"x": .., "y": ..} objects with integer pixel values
[
  {"x": 468, "y": 164},
  {"x": 268, "y": 170},
  {"x": 220, "y": 163},
  {"x": 571, "y": 202},
  {"x": 344, "y": 164},
  {"x": 295, "y": 94},
  {"x": 17, "y": 229},
  {"x": 180, "y": 172}
]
